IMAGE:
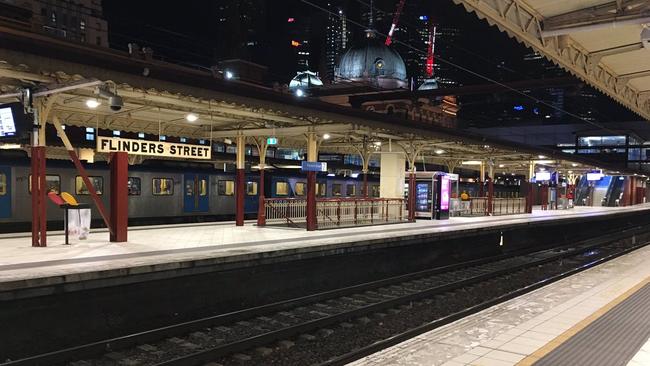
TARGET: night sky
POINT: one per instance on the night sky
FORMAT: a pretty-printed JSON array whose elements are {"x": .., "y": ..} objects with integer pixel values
[{"x": 189, "y": 35}]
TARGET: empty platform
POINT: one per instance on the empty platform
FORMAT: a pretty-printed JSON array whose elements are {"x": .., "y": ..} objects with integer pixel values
[{"x": 597, "y": 317}]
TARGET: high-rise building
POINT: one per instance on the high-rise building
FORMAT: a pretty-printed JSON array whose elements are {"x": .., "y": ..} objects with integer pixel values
[
  {"x": 299, "y": 30},
  {"x": 241, "y": 29},
  {"x": 337, "y": 40},
  {"x": 79, "y": 20}
]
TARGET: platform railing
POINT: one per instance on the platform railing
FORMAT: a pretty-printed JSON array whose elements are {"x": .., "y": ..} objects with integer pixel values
[
  {"x": 500, "y": 206},
  {"x": 289, "y": 211},
  {"x": 347, "y": 212},
  {"x": 335, "y": 212}
]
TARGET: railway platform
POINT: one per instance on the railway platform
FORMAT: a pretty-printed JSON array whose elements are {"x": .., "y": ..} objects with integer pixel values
[
  {"x": 596, "y": 317},
  {"x": 153, "y": 249}
]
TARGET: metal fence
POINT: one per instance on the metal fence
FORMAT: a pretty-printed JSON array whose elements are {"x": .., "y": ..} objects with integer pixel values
[
  {"x": 335, "y": 212},
  {"x": 500, "y": 206}
]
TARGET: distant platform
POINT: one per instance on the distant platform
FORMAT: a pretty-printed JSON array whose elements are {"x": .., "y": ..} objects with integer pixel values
[
  {"x": 594, "y": 318},
  {"x": 169, "y": 247}
]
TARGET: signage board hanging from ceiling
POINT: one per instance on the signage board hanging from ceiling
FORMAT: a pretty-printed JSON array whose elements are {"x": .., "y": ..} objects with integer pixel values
[
  {"x": 152, "y": 148},
  {"x": 314, "y": 166}
]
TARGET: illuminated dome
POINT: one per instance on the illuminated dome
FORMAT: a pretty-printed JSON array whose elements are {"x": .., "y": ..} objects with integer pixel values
[
  {"x": 305, "y": 79},
  {"x": 374, "y": 63}
]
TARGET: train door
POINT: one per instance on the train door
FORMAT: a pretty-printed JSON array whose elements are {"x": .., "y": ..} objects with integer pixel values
[
  {"x": 251, "y": 195},
  {"x": 196, "y": 195},
  {"x": 5, "y": 192}
]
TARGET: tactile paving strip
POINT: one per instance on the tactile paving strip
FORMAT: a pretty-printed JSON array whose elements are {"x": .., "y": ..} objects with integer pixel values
[{"x": 611, "y": 340}]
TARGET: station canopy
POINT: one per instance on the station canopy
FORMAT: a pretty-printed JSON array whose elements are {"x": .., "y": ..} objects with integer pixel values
[
  {"x": 603, "y": 42},
  {"x": 158, "y": 96}
]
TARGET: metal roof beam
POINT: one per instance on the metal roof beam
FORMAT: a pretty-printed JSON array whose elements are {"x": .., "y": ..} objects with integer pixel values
[
  {"x": 286, "y": 131},
  {"x": 609, "y": 15}
]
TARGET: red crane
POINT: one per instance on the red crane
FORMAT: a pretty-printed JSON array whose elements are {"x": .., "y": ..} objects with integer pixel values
[{"x": 398, "y": 12}]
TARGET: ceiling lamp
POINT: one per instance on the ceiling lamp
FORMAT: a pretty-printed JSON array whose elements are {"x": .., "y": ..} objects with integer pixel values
[
  {"x": 191, "y": 117},
  {"x": 92, "y": 103}
]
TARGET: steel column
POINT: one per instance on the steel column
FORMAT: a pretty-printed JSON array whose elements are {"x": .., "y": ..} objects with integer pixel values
[
  {"x": 411, "y": 203},
  {"x": 119, "y": 197},
  {"x": 39, "y": 213},
  {"x": 239, "y": 181},
  {"x": 261, "y": 211}
]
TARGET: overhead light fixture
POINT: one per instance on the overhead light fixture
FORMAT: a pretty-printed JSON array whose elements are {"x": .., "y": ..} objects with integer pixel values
[
  {"x": 229, "y": 75},
  {"x": 10, "y": 146},
  {"x": 574, "y": 164},
  {"x": 440, "y": 151},
  {"x": 471, "y": 162},
  {"x": 300, "y": 93},
  {"x": 227, "y": 141},
  {"x": 377, "y": 143},
  {"x": 541, "y": 156},
  {"x": 501, "y": 165},
  {"x": 93, "y": 103},
  {"x": 326, "y": 136},
  {"x": 570, "y": 172},
  {"x": 191, "y": 117}
]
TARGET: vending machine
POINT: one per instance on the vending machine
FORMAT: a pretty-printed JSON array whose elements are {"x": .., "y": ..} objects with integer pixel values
[{"x": 432, "y": 195}]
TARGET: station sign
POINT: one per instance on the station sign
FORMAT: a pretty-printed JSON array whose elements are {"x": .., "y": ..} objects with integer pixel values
[
  {"x": 152, "y": 148},
  {"x": 272, "y": 141},
  {"x": 314, "y": 166}
]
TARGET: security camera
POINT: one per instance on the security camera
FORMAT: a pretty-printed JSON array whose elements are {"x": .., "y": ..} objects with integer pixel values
[
  {"x": 645, "y": 38},
  {"x": 116, "y": 103}
]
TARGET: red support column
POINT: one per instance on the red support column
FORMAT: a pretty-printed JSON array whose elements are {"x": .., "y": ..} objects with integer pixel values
[
  {"x": 490, "y": 195},
  {"x": 411, "y": 203},
  {"x": 239, "y": 197},
  {"x": 480, "y": 188},
  {"x": 311, "y": 201},
  {"x": 39, "y": 213},
  {"x": 119, "y": 197},
  {"x": 261, "y": 209},
  {"x": 365, "y": 185}
]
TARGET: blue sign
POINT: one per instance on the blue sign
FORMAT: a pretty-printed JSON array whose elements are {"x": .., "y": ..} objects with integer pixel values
[
  {"x": 272, "y": 141},
  {"x": 518, "y": 107},
  {"x": 314, "y": 166}
]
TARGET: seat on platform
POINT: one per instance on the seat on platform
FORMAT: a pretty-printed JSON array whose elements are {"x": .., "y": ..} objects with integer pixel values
[
  {"x": 69, "y": 199},
  {"x": 55, "y": 199}
]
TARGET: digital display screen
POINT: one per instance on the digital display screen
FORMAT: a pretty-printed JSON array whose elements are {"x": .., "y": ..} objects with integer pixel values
[
  {"x": 594, "y": 176},
  {"x": 542, "y": 176},
  {"x": 444, "y": 193},
  {"x": 7, "y": 123}
]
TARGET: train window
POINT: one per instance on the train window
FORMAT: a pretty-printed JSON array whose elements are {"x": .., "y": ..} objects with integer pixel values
[
  {"x": 251, "y": 188},
  {"x": 336, "y": 189},
  {"x": 281, "y": 188},
  {"x": 162, "y": 187},
  {"x": 351, "y": 190},
  {"x": 321, "y": 189},
  {"x": 134, "y": 185},
  {"x": 52, "y": 182},
  {"x": 226, "y": 187},
  {"x": 81, "y": 189},
  {"x": 3, "y": 184},
  {"x": 203, "y": 187},
  {"x": 300, "y": 189},
  {"x": 374, "y": 190}
]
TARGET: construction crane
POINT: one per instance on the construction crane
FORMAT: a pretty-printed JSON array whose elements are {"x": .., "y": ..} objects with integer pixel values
[{"x": 398, "y": 12}]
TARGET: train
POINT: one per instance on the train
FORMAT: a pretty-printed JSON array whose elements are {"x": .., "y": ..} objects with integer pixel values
[
  {"x": 169, "y": 192},
  {"x": 160, "y": 193}
]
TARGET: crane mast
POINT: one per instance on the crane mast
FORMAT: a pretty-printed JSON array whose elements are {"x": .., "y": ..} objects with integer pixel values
[{"x": 396, "y": 16}]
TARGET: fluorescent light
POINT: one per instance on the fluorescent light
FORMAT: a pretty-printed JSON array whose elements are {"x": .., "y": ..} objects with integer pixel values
[
  {"x": 326, "y": 136},
  {"x": 9, "y": 146},
  {"x": 471, "y": 162},
  {"x": 92, "y": 103},
  {"x": 574, "y": 164},
  {"x": 377, "y": 143},
  {"x": 541, "y": 156},
  {"x": 440, "y": 151},
  {"x": 191, "y": 117},
  {"x": 331, "y": 175},
  {"x": 501, "y": 165},
  {"x": 354, "y": 175},
  {"x": 544, "y": 161}
]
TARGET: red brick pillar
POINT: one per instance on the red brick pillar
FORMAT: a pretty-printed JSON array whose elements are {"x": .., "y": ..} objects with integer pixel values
[
  {"x": 261, "y": 209},
  {"x": 311, "y": 201},
  {"x": 490, "y": 195},
  {"x": 119, "y": 197},
  {"x": 411, "y": 203}
]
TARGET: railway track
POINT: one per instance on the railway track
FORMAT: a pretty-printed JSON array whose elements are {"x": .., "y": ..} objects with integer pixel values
[{"x": 347, "y": 323}]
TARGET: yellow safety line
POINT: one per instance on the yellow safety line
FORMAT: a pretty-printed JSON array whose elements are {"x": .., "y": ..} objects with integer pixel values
[{"x": 557, "y": 341}]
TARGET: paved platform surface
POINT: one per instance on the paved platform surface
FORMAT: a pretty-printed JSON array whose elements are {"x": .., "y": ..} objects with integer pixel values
[
  {"x": 525, "y": 329},
  {"x": 173, "y": 244}
]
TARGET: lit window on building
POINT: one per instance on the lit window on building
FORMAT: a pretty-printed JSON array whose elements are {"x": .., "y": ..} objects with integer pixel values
[{"x": 116, "y": 133}]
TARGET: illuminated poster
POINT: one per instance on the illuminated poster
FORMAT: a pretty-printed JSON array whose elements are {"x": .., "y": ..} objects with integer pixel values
[
  {"x": 7, "y": 124},
  {"x": 444, "y": 193}
]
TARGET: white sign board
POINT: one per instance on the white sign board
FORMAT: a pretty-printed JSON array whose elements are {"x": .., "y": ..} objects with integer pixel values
[{"x": 152, "y": 148}]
